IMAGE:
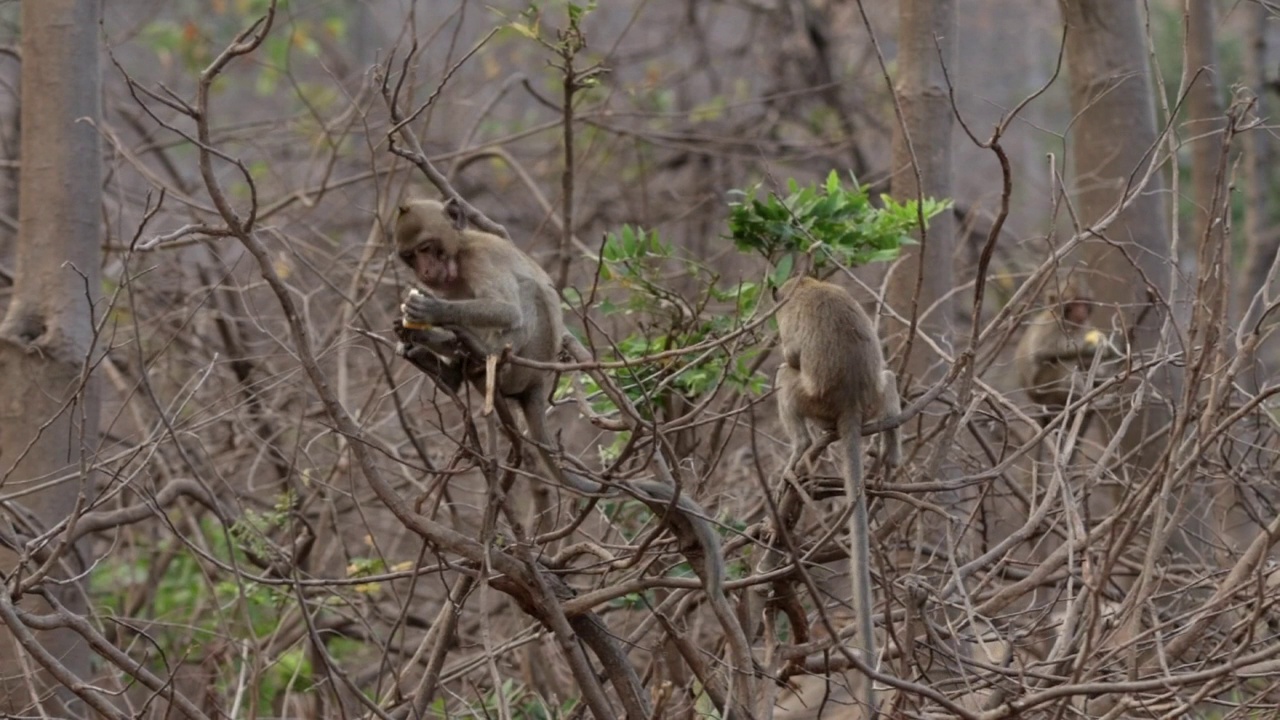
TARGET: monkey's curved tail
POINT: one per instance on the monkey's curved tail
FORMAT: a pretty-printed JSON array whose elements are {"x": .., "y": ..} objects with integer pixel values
[
  {"x": 692, "y": 525},
  {"x": 690, "y": 520}
]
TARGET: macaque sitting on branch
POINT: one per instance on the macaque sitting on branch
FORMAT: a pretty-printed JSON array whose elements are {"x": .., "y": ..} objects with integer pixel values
[
  {"x": 1059, "y": 347},
  {"x": 486, "y": 290},
  {"x": 487, "y": 297},
  {"x": 833, "y": 377}
]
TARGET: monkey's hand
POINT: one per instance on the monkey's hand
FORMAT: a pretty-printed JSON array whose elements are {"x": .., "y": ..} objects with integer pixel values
[
  {"x": 421, "y": 311},
  {"x": 1100, "y": 344}
]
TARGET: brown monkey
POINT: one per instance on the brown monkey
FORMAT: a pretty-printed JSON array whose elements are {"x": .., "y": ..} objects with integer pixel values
[
  {"x": 486, "y": 286},
  {"x": 1057, "y": 349},
  {"x": 834, "y": 376},
  {"x": 488, "y": 290}
]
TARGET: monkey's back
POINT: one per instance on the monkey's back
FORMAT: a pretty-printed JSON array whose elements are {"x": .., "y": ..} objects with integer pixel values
[
  {"x": 835, "y": 349},
  {"x": 507, "y": 273}
]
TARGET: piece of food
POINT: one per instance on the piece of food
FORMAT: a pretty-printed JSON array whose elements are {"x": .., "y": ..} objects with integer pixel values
[{"x": 408, "y": 324}]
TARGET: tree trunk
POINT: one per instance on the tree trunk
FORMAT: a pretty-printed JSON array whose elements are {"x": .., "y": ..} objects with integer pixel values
[
  {"x": 1260, "y": 235},
  {"x": 923, "y": 277},
  {"x": 1110, "y": 142},
  {"x": 1209, "y": 191},
  {"x": 1115, "y": 129},
  {"x": 48, "y": 425},
  {"x": 924, "y": 145}
]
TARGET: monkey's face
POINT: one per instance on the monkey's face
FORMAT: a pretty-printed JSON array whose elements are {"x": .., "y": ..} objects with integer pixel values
[
  {"x": 428, "y": 241},
  {"x": 432, "y": 263},
  {"x": 1077, "y": 311}
]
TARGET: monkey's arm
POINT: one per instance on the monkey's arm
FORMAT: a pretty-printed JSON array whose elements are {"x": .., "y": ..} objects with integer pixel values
[
  {"x": 481, "y": 312},
  {"x": 1081, "y": 349}
]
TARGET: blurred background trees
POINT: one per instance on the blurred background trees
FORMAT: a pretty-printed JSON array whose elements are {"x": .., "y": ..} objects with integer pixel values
[
  {"x": 225, "y": 497},
  {"x": 49, "y": 348}
]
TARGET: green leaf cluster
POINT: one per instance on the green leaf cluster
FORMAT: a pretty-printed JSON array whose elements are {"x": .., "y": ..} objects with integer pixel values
[
  {"x": 648, "y": 281},
  {"x": 676, "y": 308},
  {"x": 831, "y": 223}
]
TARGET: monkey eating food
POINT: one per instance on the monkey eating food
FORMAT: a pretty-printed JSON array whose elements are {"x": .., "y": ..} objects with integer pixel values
[
  {"x": 486, "y": 290},
  {"x": 1057, "y": 349},
  {"x": 833, "y": 375},
  {"x": 487, "y": 287}
]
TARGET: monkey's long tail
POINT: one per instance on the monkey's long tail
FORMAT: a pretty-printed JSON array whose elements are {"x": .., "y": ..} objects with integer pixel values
[
  {"x": 693, "y": 527},
  {"x": 690, "y": 521},
  {"x": 859, "y": 553}
]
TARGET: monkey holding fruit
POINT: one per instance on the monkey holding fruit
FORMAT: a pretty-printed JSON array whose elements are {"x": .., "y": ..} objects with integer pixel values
[
  {"x": 486, "y": 287},
  {"x": 487, "y": 291},
  {"x": 1057, "y": 349},
  {"x": 833, "y": 375}
]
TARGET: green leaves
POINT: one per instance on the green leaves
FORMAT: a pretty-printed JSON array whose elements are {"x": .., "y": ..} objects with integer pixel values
[
  {"x": 672, "y": 303},
  {"x": 831, "y": 223},
  {"x": 684, "y": 324},
  {"x": 669, "y": 302}
]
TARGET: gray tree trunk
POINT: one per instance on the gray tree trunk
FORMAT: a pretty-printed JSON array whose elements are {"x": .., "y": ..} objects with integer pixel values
[
  {"x": 1209, "y": 192},
  {"x": 1260, "y": 234},
  {"x": 1110, "y": 141},
  {"x": 924, "y": 26},
  {"x": 1114, "y": 130},
  {"x": 922, "y": 279},
  {"x": 49, "y": 416}
]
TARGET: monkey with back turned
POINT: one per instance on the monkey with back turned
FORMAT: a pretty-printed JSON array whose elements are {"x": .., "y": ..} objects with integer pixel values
[
  {"x": 833, "y": 376},
  {"x": 487, "y": 289}
]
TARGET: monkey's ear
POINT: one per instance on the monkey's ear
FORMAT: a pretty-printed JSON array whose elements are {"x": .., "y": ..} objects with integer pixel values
[
  {"x": 404, "y": 208},
  {"x": 453, "y": 211}
]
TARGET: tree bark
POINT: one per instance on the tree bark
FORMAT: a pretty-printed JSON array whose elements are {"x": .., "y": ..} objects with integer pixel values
[
  {"x": 1209, "y": 192},
  {"x": 1115, "y": 129},
  {"x": 921, "y": 280},
  {"x": 1110, "y": 142},
  {"x": 48, "y": 424},
  {"x": 922, "y": 144},
  {"x": 1260, "y": 236}
]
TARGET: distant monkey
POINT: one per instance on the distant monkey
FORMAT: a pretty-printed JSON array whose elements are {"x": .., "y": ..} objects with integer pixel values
[
  {"x": 1058, "y": 347},
  {"x": 488, "y": 290},
  {"x": 833, "y": 375}
]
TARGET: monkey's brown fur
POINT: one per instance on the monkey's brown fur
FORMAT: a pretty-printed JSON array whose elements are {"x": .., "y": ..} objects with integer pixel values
[
  {"x": 493, "y": 293},
  {"x": 833, "y": 375},
  {"x": 833, "y": 368},
  {"x": 485, "y": 284},
  {"x": 1053, "y": 354}
]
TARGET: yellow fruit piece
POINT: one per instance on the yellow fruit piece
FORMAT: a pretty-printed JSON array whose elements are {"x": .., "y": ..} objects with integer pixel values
[
  {"x": 1093, "y": 337},
  {"x": 409, "y": 325}
]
